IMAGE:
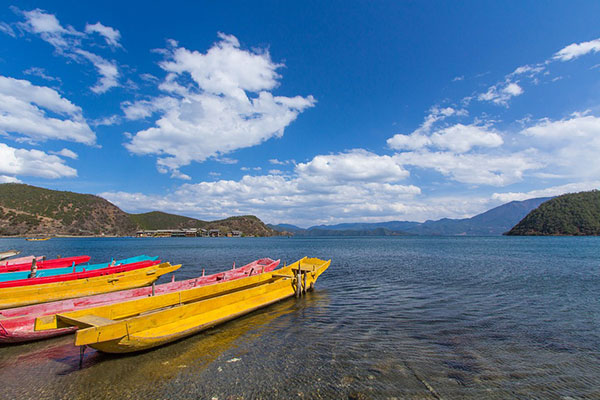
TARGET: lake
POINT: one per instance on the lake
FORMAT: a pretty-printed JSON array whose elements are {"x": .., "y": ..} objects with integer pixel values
[{"x": 393, "y": 317}]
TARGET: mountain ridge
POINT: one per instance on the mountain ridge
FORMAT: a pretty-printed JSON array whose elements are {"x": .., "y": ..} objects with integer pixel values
[
  {"x": 31, "y": 210},
  {"x": 493, "y": 222}
]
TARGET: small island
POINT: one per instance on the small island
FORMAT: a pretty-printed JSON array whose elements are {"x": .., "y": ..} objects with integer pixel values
[{"x": 573, "y": 214}]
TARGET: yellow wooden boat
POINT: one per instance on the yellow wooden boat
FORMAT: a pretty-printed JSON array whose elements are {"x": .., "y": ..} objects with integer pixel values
[
  {"x": 153, "y": 321},
  {"x": 37, "y": 239},
  {"x": 42, "y": 293}
]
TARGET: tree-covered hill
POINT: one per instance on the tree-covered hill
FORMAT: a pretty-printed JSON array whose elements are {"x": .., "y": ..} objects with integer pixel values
[
  {"x": 570, "y": 214},
  {"x": 30, "y": 210}
]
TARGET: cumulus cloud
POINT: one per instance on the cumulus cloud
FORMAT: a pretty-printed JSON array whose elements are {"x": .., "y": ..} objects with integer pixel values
[
  {"x": 111, "y": 35},
  {"x": 484, "y": 169},
  {"x": 571, "y": 145},
  {"x": 67, "y": 41},
  {"x": 576, "y": 50},
  {"x": 338, "y": 186},
  {"x": 354, "y": 166},
  {"x": 215, "y": 103},
  {"x": 24, "y": 109},
  {"x": 19, "y": 162},
  {"x": 458, "y": 138}
]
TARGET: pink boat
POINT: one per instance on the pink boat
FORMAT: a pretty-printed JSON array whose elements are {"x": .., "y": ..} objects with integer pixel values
[
  {"x": 17, "y": 324},
  {"x": 20, "y": 260}
]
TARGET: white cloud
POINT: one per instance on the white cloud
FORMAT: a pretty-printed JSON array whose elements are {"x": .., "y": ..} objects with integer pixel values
[
  {"x": 547, "y": 192},
  {"x": 6, "y": 28},
  {"x": 41, "y": 73},
  {"x": 458, "y": 78},
  {"x": 571, "y": 146},
  {"x": 67, "y": 42},
  {"x": 530, "y": 70},
  {"x": 355, "y": 184},
  {"x": 9, "y": 179},
  {"x": 458, "y": 138},
  {"x": 484, "y": 169},
  {"x": 227, "y": 105},
  {"x": 18, "y": 162},
  {"x": 23, "y": 111},
  {"x": 108, "y": 71},
  {"x": 353, "y": 166},
  {"x": 501, "y": 93},
  {"x": 66, "y": 153},
  {"x": 111, "y": 35},
  {"x": 576, "y": 50}
]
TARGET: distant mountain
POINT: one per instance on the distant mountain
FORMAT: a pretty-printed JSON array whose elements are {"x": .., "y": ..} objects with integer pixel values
[
  {"x": 30, "y": 210},
  {"x": 349, "y": 232},
  {"x": 571, "y": 214},
  {"x": 490, "y": 223},
  {"x": 360, "y": 226},
  {"x": 286, "y": 228}
]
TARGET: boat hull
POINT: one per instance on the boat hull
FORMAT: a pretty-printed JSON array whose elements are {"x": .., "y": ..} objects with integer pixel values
[
  {"x": 17, "y": 324},
  {"x": 6, "y": 266},
  {"x": 42, "y": 293},
  {"x": 143, "y": 324}
]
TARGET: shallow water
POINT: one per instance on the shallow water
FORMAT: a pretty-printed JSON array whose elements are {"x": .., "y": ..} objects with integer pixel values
[{"x": 393, "y": 317}]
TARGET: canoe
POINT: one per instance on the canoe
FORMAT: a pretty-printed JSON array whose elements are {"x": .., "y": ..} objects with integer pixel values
[
  {"x": 8, "y": 253},
  {"x": 20, "y": 275},
  {"x": 141, "y": 324},
  {"x": 44, "y": 264},
  {"x": 17, "y": 324},
  {"x": 102, "y": 269},
  {"x": 123, "y": 278},
  {"x": 36, "y": 239},
  {"x": 20, "y": 260}
]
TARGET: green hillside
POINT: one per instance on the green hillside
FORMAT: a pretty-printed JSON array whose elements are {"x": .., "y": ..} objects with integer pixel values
[
  {"x": 162, "y": 220},
  {"x": 30, "y": 210},
  {"x": 570, "y": 214}
]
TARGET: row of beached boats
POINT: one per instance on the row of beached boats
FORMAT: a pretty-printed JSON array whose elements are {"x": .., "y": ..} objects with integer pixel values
[{"x": 113, "y": 308}]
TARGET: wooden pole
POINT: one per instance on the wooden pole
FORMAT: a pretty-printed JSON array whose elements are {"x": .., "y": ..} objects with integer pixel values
[
  {"x": 298, "y": 283},
  {"x": 153, "y": 288},
  {"x": 81, "y": 351},
  {"x": 304, "y": 290},
  {"x": 33, "y": 268}
]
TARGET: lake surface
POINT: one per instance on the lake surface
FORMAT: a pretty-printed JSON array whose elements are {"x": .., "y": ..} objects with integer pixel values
[{"x": 393, "y": 317}]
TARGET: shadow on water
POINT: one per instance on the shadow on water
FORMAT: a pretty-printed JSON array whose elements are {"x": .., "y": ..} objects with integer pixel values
[{"x": 55, "y": 362}]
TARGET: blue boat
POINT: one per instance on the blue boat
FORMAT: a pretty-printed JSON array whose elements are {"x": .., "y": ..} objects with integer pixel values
[{"x": 13, "y": 276}]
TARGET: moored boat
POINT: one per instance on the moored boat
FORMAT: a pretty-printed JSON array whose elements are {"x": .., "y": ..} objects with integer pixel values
[
  {"x": 67, "y": 271},
  {"x": 17, "y": 324},
  {"x": 37, "y": 239},
  {"x": 111, "y": 280},
  {"x": 20, "y": 260},
  {"x": 145, "y": 323},
  {"x": 44, "y": 264},
  {"x": 8, "y": 253}
]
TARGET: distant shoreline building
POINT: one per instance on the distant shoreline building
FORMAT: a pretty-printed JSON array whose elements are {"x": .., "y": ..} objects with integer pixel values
[{"x": 188, "y": 232}]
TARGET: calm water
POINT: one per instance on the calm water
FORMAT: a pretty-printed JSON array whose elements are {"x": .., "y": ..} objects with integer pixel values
[{"x": 397, "y": 317}]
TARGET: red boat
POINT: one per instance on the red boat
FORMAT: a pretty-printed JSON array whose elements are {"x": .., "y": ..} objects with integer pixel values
[
  {"x": 17, "y": 324},
  {"x": 79, "y": 275},
  {"x": 54, "y": 263}
]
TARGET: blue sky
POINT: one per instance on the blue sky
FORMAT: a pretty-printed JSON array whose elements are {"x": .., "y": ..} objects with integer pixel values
[{"x": 302, "y": 112}]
